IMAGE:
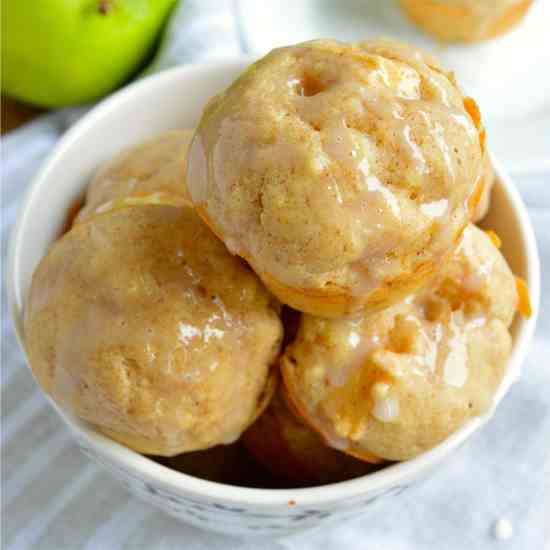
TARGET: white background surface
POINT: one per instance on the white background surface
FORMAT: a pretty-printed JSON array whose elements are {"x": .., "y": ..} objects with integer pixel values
[{"x": 53, "y": 498}]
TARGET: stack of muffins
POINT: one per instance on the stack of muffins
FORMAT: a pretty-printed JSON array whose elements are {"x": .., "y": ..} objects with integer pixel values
[{"x": 307, "y": 275}]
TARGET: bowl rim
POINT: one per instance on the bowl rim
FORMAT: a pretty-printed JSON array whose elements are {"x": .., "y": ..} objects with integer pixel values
[{"x": 156, "y": 473}]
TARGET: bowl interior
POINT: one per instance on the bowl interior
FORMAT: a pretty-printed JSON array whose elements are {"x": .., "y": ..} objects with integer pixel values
[{"x": 174, "y": 99}]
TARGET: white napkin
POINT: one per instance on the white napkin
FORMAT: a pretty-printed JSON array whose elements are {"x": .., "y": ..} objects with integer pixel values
[{"x": 54, "y": 498}]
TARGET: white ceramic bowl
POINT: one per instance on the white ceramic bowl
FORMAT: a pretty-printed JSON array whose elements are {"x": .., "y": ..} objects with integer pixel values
[{"x": 175, "y": 99}]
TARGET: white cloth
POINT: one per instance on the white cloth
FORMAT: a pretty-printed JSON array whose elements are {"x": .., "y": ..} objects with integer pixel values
[{"x": 54, "y": 498}]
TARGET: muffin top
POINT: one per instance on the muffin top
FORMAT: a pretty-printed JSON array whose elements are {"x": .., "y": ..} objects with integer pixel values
[
  {"x": 466, "y": 20},
  {"x": 338, "y": 165},
  {"x": 397, "y": 383},
  {"x": 155, "y": 166},
  {"x": 132, "y": 323},
  {"x": 482, "y": 6}
]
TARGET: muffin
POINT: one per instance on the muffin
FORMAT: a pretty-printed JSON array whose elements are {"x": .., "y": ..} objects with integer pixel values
[
  {"x": 486, "y": 187},
  {"x": 230, "y": 464},
  {"x": 132, "y": 322},
  {"x": 157, "y": 166},
  {"x": 294, "y": 453},
  {"x": 397, "y": 383},
  {"x": 343, "y": 173},
  {"x": 466, "y": 20}
]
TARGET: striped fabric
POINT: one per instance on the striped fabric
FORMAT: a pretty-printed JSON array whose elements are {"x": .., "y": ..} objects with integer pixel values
[{"x": 54, "y": 498}]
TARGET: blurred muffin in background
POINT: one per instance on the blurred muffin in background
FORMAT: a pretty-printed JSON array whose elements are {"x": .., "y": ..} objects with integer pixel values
[
  {"x": 466, "y": 20},
  {"x": 132, "y": 322},
  {"x": 157, "y": 166}
]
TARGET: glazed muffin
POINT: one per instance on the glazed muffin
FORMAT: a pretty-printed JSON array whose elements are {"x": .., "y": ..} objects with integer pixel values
[
  {"x": 466, "y": 20},
  {"x": 343, "y": 173},
  {"x": 132, "y": 322},
  {"x": 156, "y": 167},
  {"x": 397, "y": 383},
  {"x": 486, "y": 187},
  {"x": 294, "y": 453}
]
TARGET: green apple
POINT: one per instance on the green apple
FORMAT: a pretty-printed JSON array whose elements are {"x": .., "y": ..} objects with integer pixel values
[{"x": 65, "y": 52}]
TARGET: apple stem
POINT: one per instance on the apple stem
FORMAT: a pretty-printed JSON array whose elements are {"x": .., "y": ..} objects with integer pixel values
[{"x": 104, "y": 7}]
